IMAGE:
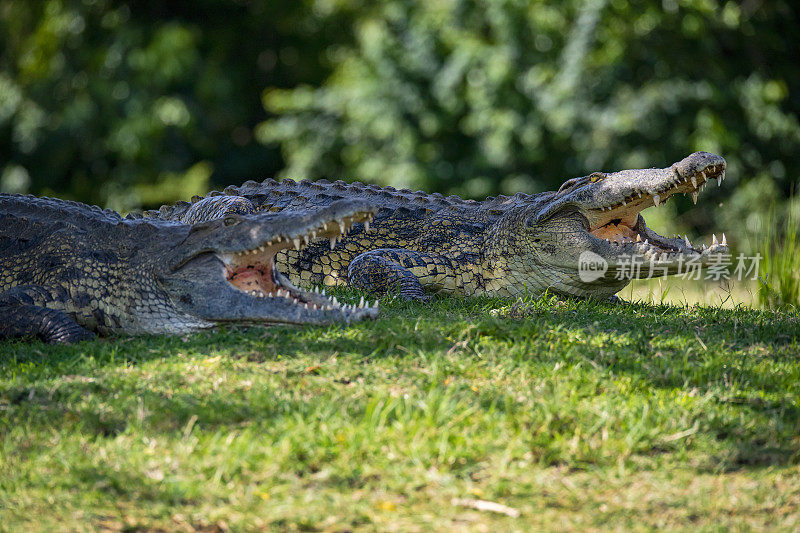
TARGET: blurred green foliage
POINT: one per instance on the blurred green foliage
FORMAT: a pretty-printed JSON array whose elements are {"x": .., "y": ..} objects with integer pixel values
[
  {"x": 118, "y": 104},
  {"x": 106, "y": 101}
]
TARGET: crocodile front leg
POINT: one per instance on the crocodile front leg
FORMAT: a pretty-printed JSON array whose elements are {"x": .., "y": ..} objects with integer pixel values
[
  {"x": 22, "y": 316},
  {"x": 406, "y": 271}
]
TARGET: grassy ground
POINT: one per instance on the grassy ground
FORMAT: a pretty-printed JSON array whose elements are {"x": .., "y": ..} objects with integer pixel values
[{"x": 569, "y": 414}]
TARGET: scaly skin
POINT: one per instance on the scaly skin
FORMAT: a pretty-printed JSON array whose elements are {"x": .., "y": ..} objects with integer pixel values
[
  {"x": 504, "y": 246},
  {"x": 68, "y": 270}
]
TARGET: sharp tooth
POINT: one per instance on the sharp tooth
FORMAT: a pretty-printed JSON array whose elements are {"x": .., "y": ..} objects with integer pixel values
[
  {"x": 703, "y": 174},
  {"x": 656, "y": 199},
  {"x": 704, "y": 248},
  {"x": 279, "y": 293},
  {"x": 723, "y": 173},
  {"x": 724, "y": 240},
  {"x": 639, "y": 193},
  {"x": 686, "y": 240},
  {"x": 324, "y": 226},
  {"x": 334, "y": 301},
  {"x": 714, "y": 239},
  {"x": 313, "y": 234},
  {"x": 305, "y": 306},
  {"x": 375, "y": 305},
  {"x": 366, "y": 226},
  {"x": 305, "y": 240},
  {"x": 694, "y": 181},
  {"x": 646, "y": 241},
  {"x": 333, "y": 242},
  {"x": 361, "y": 302},
  {"x": 719, "y": 181},
  {"x": 296, "y": 243},
  {"x": 342, "y": 229},
  {"x": 638, "y": 238},
  {"x": 323, "y": 292},
  {"x": 695, "y": 194}
]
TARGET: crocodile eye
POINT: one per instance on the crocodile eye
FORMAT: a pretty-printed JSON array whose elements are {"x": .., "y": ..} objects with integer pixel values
[
  {"x": 230, "y": 221},
  {"x": 596, "y": 176}
]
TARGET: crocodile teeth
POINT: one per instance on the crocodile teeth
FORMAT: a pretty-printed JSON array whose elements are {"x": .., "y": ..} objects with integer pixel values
[
  {"x": 656, "y": 199},
  {"x": 646, "y": 241},
  {"x": 639, "y": 193},
  {"x": 724, "y": 240},
  {"x": 694, "y": 181},
  {"x": 361, "y": 302},
  {"x": 313, "y": 234},
  {"x": 366, "y": 226},
  {"x": 695, "y": 194},
  {"x": 686, "y": 240},
  {"x": 333, "y": 242},
  {"x": 714, "y": 239},
  {"x": 719, "y": 180},
  {"x": 342, "y": 228},
  {"x": 335, "y": 302},
  {"x": 703, "y": 174},
  {"x": 638, "y": 238},
  {"x": 296, "y": 242}
]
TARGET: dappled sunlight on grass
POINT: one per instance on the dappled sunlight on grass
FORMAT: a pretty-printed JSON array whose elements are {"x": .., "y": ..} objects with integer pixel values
[
  {"x": 386, "y": 423},
  {"x": 676, "y": 291}
]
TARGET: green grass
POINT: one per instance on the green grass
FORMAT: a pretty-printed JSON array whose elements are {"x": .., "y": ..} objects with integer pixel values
[
  {"x": 780, "y": 265},
  {"x": 576, "y": 414}
]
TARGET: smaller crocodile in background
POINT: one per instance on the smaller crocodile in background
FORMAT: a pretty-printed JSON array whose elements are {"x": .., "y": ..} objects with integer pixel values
[
  {"x": 69, "y": 269},
  {"x": 502, "y": 246}
]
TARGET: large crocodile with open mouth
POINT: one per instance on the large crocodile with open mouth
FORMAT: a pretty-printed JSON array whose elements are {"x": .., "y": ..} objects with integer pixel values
[
  {"x": 501, "y": 246},
  {"x": 68, "y": 269}
]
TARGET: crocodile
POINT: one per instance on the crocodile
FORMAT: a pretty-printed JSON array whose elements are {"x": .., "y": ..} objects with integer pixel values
[
  {"x": 68, "y": 270},
  {"x": 502, "y": 246}
]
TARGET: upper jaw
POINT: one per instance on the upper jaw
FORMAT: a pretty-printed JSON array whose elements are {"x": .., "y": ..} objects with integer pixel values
[
  {"x": 611, "y": 204},
  {"x": 622, "y": 195},
  {"x": 251, "y": 286}
]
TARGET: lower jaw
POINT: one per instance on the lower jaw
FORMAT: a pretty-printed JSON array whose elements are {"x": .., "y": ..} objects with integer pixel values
[{"x": 264, "y": 283}]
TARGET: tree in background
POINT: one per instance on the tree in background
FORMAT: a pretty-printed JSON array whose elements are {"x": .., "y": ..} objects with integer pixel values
[
  {"x": 501, "y": 96},
  {"x": 136, "y": 103}
]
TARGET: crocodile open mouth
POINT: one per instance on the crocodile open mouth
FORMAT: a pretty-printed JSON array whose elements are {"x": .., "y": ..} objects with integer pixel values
[
  {"x": 254, "y": 271},
  {"x": 621, "y": 224}
]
